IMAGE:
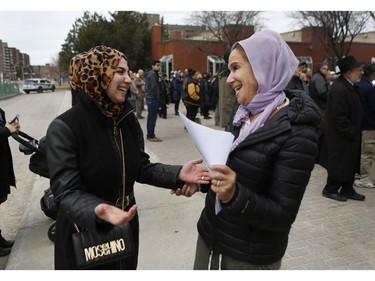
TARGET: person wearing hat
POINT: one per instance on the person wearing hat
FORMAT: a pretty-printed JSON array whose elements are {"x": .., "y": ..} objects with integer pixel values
[
  {"x": 341, "y": 140},
  {"x": 367, "y": 94},
  {"x": 296, "y": 83}
]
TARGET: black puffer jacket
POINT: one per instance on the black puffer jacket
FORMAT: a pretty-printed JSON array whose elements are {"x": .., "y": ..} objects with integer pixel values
[
  {"x": 273, "y": 167},
  {"x": 84, "y": 163}
]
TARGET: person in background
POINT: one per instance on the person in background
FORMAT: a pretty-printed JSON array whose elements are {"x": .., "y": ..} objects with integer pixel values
[
  {"x": 176, "y": 89},
  {"x": 340, "y": 147},
  {"x": 227, "y": 99},
  {"x": 206, "y": 94},
  {"x": 95, "y": 154},
  {"x": 367, "y": 94},
  {"x": 254, "y": 199},
  {"x": 319, "y": 87},
  {"x": 164, "y": 96},
  {"x": 192, "y": 95},
  {"x": 152, "y": 94},
  {"x": 139, "y": 82},
  {"x": 296, "y": 83},
  {"x": 7, "y": 177}
]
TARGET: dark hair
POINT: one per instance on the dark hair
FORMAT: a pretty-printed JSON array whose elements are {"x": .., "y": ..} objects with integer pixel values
[
  {"x": 191, "y": 72},
  {"x": 368, "y": 69},
  {"x": 155, "y": 62}
]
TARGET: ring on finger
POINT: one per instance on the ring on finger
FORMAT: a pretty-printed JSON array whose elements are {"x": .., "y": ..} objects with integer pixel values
[
  {"x": 218, "y": 183},
  {"x": 202, "y": 178}
]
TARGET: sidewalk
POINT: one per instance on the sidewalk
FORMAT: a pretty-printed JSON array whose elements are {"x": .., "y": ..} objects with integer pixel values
[{"x": 326, "y": 235}]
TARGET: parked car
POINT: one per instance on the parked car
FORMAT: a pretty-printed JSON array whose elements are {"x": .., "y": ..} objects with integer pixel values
[{"x": 38, "y": 85}]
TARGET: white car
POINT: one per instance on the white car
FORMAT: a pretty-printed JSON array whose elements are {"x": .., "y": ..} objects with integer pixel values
[{"x": 38, "y": 85}]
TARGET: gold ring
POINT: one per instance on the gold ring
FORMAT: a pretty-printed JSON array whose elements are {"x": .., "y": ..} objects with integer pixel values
[
  {"x": 218, "y": 183},
  {"x": 202, "y": 178}
]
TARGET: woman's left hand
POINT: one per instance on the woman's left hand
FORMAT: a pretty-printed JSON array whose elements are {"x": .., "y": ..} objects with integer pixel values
[
  {"x": 192, "y": 174},
  {"x": 187, "y": 190},
  {"x": 223, "y": 182}
]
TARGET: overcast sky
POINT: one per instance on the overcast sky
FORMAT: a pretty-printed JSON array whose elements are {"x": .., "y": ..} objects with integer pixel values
[
  {"x": 42, "y": 26},
  {"x": 41, "y": 33}
]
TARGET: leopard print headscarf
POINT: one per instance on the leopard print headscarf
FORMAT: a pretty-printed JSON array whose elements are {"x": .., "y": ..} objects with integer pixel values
[{"x": 92, "y": 72}]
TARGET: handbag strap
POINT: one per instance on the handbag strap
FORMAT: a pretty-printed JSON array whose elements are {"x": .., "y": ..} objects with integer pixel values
[
  {"x": 123, "y": 171},
  {"x": 123, "y": 176}
]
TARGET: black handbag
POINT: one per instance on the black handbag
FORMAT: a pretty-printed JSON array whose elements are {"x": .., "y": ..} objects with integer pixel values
[{"x": 93, "y": 248}]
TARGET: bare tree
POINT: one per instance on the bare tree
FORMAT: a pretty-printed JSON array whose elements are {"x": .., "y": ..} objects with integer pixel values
[
  {"x": 338, "y": 28},
  {"x": 217, "y": 22}
]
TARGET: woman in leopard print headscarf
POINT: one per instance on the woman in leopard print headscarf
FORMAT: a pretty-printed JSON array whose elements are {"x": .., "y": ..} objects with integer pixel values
[
  {"x": 92, "y": 72},
  {"x": 95, "y": 153}
]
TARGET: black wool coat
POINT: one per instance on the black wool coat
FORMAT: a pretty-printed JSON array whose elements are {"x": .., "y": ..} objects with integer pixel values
[
  {"x": 340, "y": 146},
  {"x": 84, "y": 162},
  {"x": 273, "y": 167},
  {"x": 7, "y": 178}
]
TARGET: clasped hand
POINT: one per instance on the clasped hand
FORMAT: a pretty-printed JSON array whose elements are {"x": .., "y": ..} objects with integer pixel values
[{"x": 221, "y": 177}]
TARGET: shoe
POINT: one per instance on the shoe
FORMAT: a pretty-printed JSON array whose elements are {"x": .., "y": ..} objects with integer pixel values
[
  {"x": 6, "y": 243},
  {"x": 334, "y": 196},
  {"x": 355, "y": 196},
  {"x": 4, "y": 252},
  {"x": 140, "y": 117},
  {"x": 364, "y": 182},
  {"x": 154, "y": 139},
  {"x": 207, "y": 117}
]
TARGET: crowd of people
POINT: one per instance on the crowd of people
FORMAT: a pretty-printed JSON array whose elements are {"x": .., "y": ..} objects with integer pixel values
[{"x": 284, "y": 120}]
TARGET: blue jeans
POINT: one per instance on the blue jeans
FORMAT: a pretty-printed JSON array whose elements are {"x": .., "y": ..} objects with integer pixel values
[{"x": 152, "y": 107}]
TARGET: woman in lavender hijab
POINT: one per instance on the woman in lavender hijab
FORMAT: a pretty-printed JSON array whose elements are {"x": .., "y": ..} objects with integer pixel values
[{"x": 260, "y": 188}]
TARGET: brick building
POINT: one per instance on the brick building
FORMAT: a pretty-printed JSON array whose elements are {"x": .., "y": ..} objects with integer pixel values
[{"x": 181, "y": 47}]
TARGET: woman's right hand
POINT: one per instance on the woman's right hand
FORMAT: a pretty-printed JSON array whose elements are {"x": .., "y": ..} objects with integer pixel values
[
  {"x": 13, "y": 127},
  {"x": 115, "y": 215}
]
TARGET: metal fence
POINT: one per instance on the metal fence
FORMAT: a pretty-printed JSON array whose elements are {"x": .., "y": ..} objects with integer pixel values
[{"x": 7, "y": 89}]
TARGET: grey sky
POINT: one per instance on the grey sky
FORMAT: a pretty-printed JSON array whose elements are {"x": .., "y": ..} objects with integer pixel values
[{"x": 41, "y": 33}]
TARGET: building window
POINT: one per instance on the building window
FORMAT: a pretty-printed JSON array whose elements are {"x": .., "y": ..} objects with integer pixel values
[
  {"x": 167, "y": 65},
  {"x": 214, "y": 63}
]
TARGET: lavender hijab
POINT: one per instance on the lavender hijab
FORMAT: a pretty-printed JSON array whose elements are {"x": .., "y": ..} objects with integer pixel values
[{"x": 273, "y": 64}]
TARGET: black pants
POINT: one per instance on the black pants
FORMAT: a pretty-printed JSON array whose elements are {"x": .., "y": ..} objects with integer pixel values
[
  {"x": 333, "y": 186},
  {"x": 176, "y": 106},
  {"x": 191, "y": 112}
]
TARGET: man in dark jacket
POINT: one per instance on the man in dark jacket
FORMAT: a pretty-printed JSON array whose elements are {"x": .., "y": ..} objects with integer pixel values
[
  {"x": 296, "y": 83},
  {"x": 367, "y": 94},
  {"x": 152, "y": 94},
  {"x": 319, "y": 87},
  {"x": 341, "y": 140},
  {"x": 7, "y": 178}
]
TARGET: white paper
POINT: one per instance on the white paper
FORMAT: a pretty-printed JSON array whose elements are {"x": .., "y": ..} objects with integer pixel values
[{"x": 213, "y": 145}]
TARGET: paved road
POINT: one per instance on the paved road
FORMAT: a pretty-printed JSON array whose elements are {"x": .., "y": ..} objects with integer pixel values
[{"x": 326, "y": 235}]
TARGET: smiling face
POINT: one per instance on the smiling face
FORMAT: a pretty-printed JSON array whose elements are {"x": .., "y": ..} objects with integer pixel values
[
  {"x": 241, "y": 77},
  {"x": 119, "y": 85}
]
